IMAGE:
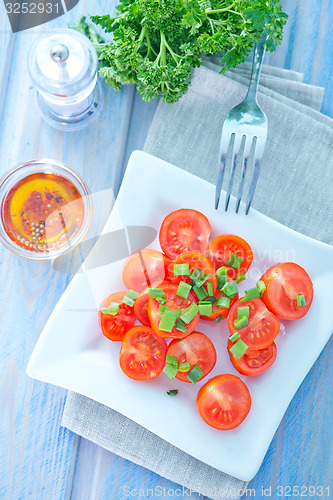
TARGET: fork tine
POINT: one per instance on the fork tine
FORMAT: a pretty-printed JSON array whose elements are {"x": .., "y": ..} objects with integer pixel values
[
  {"x": 226, "y": 149},
  {"x": 248, "y": 152},
  {"x": 255, "y": 175},
  {"x": 239, "y": 148}
]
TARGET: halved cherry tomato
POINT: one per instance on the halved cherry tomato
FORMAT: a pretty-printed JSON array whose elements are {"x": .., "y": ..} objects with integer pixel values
[
  {"x": 173, "y": 302},
  {"x": 115, "y": 327},
  {"x": 141, "y": 303},
  {"x": 224, "y": 402},
  {"x": 253, "y": 362},
  {"x": 263, "y": 325},
  {"x": 196, "y": 349},
  {"x": 220, "y": 312},
  {"x": 223, "y": 246},
  {"x": 283, "y": 283},
  {"x": 144, "y": 268},
  {"x": 195, "y": 260},
  {"x": 142, "y": 354},
  {"x": 184, "y": 230}
]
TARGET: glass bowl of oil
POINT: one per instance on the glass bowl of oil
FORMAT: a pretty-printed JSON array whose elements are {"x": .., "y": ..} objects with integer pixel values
[{"x": 45, "y": 209}]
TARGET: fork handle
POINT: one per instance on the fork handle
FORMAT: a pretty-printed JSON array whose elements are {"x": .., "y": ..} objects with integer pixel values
[{"x": 258, "y": 58}]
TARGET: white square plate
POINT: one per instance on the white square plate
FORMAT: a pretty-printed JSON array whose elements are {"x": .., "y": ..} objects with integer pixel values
[{"x": 72, "y": 352}]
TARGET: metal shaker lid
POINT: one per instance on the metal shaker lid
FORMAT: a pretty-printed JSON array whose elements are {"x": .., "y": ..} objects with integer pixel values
[{"x": 62, "y": 62}]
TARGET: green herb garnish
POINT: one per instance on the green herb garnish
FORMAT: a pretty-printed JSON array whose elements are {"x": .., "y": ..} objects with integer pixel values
[
  {"x": 195, "y": 374},
  {"x": 172, "y": 392},
  {"x": 181, "y": 270},
  {"x": 130, "y": 297},
  {"x": 183, "y": 290},
  {"x": 300, "y": 300},
  {"x": 235, "y": 261},
  {"x": 238, "y": 349},
  {"x": 112, "y": 309}
]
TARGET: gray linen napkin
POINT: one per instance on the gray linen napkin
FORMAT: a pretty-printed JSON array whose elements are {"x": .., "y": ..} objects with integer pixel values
[{"x": 294, "y": 175}]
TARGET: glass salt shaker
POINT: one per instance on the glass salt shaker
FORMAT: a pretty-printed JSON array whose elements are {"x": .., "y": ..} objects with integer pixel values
[{"x": 63, "y": 67}]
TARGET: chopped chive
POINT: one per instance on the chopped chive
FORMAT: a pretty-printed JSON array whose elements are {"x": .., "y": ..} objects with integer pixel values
[
  {"x": 239, "y": 349},
  {"x": 199, "y": 277},
  {"x": 172, "y": 392},
  {"x": 212, "y": 299},
  {"x": 183, "y": 290},
  {"x": 173, "y": 360},
  {"x": 235, "y": 261},
  {"x": 222, "y": 277},
  {"x": 170, "y": 370},
  {"x": 195, "y": 374},
  {"x": 241, "y": 322},
  {"x": 130, "y": 297},
  {"x": 243, "y": 311},
  {"x": 300, "y": 300},
  {"x": 181, "y": 270},
  {"x": 168, "y": 321},
  {"x": 205, "y": 309},
  {"x": 184, "y": 367},
  {"x": 261, "y": 287},
  {"x": 223, "y": 302},
  {"x": 209, "y": 289},
  {"x": 200, "y": 292},
  {"x": 180, "y": 325},
  {"x": 235, "y": 336},
  {"x": 240, "y": 277},
  {"x": 188, "y": 314},
  {"x": 230, "y": 289},
  {"x": 218, "y": 319},
  {"x": 163, "y": 308},
  {"x": 156, "y": 293},
  {"x": 112, "y": 309},
  {"x": 160, "y": 300},
  {"x": 252, "y": 293}
]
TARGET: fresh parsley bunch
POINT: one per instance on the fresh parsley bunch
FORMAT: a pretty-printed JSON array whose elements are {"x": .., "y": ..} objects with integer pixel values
[{"x": 157, "y": 43}]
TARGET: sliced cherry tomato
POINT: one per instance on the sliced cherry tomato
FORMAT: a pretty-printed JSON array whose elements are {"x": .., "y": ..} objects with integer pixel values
[
  {"x": 223, "y": 246},
  {"x": 224, "y": 402},
  {"x": 263, "y": 325},
  {"x": 142, "y": 354},
  {"x": 184, "y": 230},
  {"x": 195, "y": 260},
  {"x": 253, "y": 362},
  {"x": 141, "y": 303},
  {"x": 283, "y": 283},
  {"x": 173, "y": 302},
  {"x": 196, "y": 349},
  {"x": 220, "y": 312},
  {"x": 115, "y": 327},
  {"x": 144, "y": 268}
]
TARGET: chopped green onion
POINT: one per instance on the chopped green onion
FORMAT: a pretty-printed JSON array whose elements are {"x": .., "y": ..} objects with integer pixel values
[
  {"x": 170, "y": 370},
  {"x": 209, "y": 288},
  {"x": 156, "y": 293},
  {"x": 181, "y": 270},
  {"x": 230, "y": 289},
  {"x": 235, "y": 261},
  {"x": 200, "y": 292},
  {"x": 223, "y": 302},
  {"x": 168, "y": 321},
  {"x": 222, "y": 277},
  {"x": 183, "y": 290},
  {"x": 189, "y": 313},
  {"x": 199, "y": 277},
  {"x": 195, "y": 374},
  {"x": 240, "y": 277},
  {"x": 184, "y": 367},
  {"x": 205, "y": 308},
  {"x": 160, "y": 300},
  {"x": 261, "y": 287},
  {"x": 243, "y": 311},
  {"x": 172, "y": 392},
  {"x": 112, "y": 309},
  {"x": 241, "y": 322},
  {"x": 212, "y": 299},
  {"x": 301, "y": 300},
  {"x": 173, "y": 360},
  {"x": 180, "y": 325},
  {"x": 163, "y": 308},
  {"x": 252, "y": 293},
  {"x": 130, "y": 297},
  {"x": 178, "y": 311},
  {"x": 235, "y": 336},
  {"x": 239, "y": 349},
  {"x": 218, "y": 319}
]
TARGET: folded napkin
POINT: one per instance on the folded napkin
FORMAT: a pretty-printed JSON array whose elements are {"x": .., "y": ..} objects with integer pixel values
[{"x": 295, "y": 170}]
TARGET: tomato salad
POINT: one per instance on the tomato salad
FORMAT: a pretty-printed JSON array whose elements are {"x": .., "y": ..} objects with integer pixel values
[{"x": 170, "y": 291}]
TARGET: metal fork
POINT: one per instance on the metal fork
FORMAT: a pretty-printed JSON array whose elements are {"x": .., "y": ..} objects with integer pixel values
[{"x": 244, "y": 135}]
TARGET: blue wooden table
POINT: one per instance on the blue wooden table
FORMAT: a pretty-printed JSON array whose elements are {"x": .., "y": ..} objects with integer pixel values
[{"x": 39, "y": 459}]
